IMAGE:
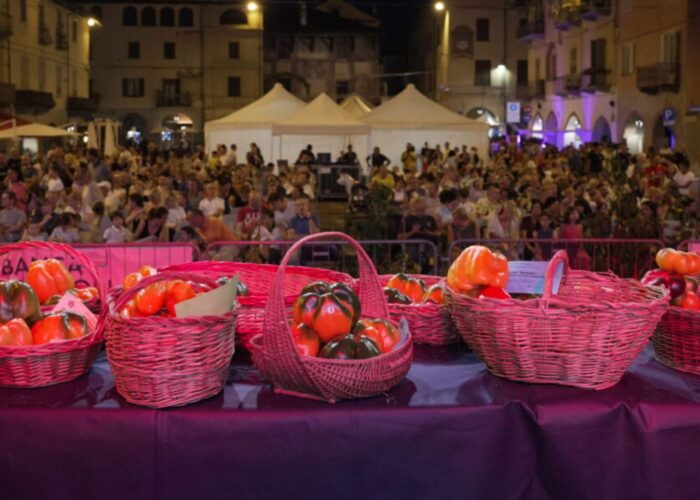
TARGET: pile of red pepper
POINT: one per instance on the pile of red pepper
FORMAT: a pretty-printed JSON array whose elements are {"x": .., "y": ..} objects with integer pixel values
[
  {"x": 479, "y": 272},
  {"x": 326, "y": 323},
  {"x": 403, "y": 289}
]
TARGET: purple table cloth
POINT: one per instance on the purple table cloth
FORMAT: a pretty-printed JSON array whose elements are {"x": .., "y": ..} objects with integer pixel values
[{"x": 450, "y": 430}]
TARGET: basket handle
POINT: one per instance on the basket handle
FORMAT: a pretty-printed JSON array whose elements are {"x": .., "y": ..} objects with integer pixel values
[
  {"x": 54, "y": 248},
  {"x": 126, "y": 295},
  {"x": 561, "y": 257}
]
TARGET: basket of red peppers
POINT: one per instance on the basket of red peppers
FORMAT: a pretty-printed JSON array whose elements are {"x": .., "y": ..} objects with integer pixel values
[
  {"x": 332, "y": 344},
  {"x": 161, "y": 356},
  {"x": 421, "y": 300},
  {"x": 676, "y": 340},
  {"x": 47, "y": 333},
  {"x": 585, "y": 334}
]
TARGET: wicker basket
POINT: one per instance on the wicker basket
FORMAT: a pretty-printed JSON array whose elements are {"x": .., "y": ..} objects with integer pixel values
[
  {"x": 259, "y": 278},
  {"x": 585, "y": 336},
  {"x": 55, "y": 362},
  {"x": 676, "y": 340},
  {"x": 163, "y": 362},
  {"x": 430, "y": 323},
  {"x": 328, "y": 379}
]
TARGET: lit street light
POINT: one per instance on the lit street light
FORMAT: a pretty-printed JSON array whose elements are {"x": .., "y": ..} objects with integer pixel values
[
  {"x": 252, "y": 6},
  {"x": 93, "y": 22},
  {"x": 439, "y": 6}
]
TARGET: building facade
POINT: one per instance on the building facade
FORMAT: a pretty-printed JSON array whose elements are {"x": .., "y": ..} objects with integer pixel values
[
  {"x": 468, "y": 58},
  {"x": 44, "y": 61},
  {"x": 332, "y": 47},
  {"x": 602, "y": 70},
  {"x": 175, "y": 65}
]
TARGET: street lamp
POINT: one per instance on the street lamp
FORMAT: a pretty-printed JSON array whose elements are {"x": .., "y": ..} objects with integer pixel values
[
  {"x": 252, "y": 6},
  {"x": 439, "y": 6},
  {"x": 93, "y": 22}
]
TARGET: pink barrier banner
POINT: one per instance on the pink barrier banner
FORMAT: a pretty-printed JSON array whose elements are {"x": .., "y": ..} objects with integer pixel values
[{"x": 113, "y": 262}]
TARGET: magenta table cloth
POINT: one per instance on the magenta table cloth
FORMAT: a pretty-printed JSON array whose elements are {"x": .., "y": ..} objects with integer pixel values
[{"x": 450, "y": 430}]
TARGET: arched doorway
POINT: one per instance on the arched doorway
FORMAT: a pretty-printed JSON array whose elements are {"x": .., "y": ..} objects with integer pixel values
[
  {"x": 177, "y": 121},
  {"x": 633, "y": 134},
  {"x": 551, "y": 129},
  {"x": 664, "y": 135},
  {"x": 601, "y": 131},
  {"x": 571, "y": 134},
  {"x": 538, "y": 128},
  {"x": 487, "y": 116}
]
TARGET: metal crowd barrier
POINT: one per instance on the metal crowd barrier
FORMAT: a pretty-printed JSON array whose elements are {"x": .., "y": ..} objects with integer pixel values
[
  {"x": 629, "y": 258},
  {"x": 389, "y": 256}
]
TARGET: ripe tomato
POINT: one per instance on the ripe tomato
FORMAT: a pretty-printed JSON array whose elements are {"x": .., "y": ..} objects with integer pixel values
[
  {"x": 177, "y": 291},
  {"x": 48, "y": 278},
  {"x": 59, "y": 326},
  {"x": 494, "y": 292},
  {"x": 435, "y": 294},
  {"x": 413, "y": 288},
  {"x": 384, "y": 334},
  {"x": 305, "y": 339},
  {"x": 689, "y": 300},
  {"x": 151, "y": 299},
  {"x": 15, "y": 333},
  {"x": 329, "y": 310}
]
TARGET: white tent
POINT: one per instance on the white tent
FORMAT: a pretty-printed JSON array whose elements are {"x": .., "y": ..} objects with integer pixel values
[
  {"x": 415, "y": 118},
  {"x": 356, "y": 106},
  {"x": 253, "y": 123},
  {"x": 323, "y": 124},
  {"x": 33, "y": 130}
]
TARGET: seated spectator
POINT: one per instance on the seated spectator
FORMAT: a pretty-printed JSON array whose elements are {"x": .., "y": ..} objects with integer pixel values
[
  {"x": 117, "y": 233},
  {"x": 449, "y": 202},
  {"x": 284, "y": 211},
  {"x": 248, "y": 217},
  {"x": 66, "y": 232},
  {"x": 12, "y": 219},
  {"x": 683, "y": 178},
  {"x": 383, "y": 177},
  {"x": 212, "y": 205},
  {"x": 209, "y": 229},
  {"x": 153, "y": 227},
  {"x": 304, "y": 223},
  {"x": 34, "y": 232}
]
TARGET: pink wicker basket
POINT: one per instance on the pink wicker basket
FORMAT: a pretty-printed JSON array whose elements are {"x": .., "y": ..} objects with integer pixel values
[
  {"x": 328, "y": 379},
  {"x": 162, "y": 362},
  {"x": 56, "y": 362},
  {"x": 676, "y": 340},
  {"x": 585, "y": 336},
  {"x": 430, "y": 323},
  {"x": 259, "y": 278}
]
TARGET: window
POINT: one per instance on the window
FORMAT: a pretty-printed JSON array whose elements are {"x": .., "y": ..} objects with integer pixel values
[
  {"x": 573, "y": 61},
  {"x": 521, "y": 73},
  {"x": 132, "y": 87},
  {"x": 129, "y": 16},
  {"x": 171, "y": 90},
  {"x": 482, "y": 30},
  {"x": 185, "y": 17},
  {"x": 148, "y": 16},
  {"x": 233, "y": 16},
  {"x": 59, "y": 81},
  {"x": 482, "y": 73},
  {"x": 233, "y": 50},
  {"x": 134, "y": 50},
  {"x": 669, "y": 47},
  {"x": 74, "y": 30},
  {"x": 342, "y": 87},
  {"x": 169, "y": 50},
  {"x": 167, "y": 16},
  {"x": 234, "y": 86},
  {"x": 23, "y": 11},
  {"x": 627, "y": 59},
  {"x": 598, "y": 48}
]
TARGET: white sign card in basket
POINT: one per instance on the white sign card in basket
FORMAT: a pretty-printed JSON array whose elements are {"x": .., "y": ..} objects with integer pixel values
[
  {"x": 527, "y": 277},
  {"x": 71, "y": 303},
  {"x": 214, "y": 303}
]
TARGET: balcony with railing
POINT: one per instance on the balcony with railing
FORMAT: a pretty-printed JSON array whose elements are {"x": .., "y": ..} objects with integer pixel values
[
  {"x": 595, "y": 80},
  {"x": 533, "y": 90},
  {"x": 5, "y": 24},
  {"x": 659, "y": 77},
  {"x": 33, "y": 101},
  {"x": 591, "y": 10},
  {"x": 530, "y": 29},
  {"x": 7, "y": 94},
  {"x": 78, "y": 106},
  {"x": 567, "y": 16},
  {"x": 569, "y": 85},
  {"x": 169, "y": 100}
]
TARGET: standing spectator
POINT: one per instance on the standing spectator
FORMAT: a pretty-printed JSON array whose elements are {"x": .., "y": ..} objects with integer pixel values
[
  {"x": 254, "y": 156},
  {"x": 683, "y": 178},
  {"x": 377, "y": 159},
  {"x": 383, "y": 177},
  {"x": 409, "y": 159}
]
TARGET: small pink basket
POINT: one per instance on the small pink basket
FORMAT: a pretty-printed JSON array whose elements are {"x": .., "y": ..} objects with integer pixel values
[
  {"x": 162, "y": 362},
  {"x": 430, "y": 323},
  {"x": 586, "y": 336},
  {"x": 259, "y": 278},
  {"x": 676, "y": 340},
  {"x": 55, "y": 362},
  {"x": 327, "y": 379}
]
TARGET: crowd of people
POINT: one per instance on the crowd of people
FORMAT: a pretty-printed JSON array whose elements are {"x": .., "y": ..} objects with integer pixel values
[{"x": 442, "y": 193}]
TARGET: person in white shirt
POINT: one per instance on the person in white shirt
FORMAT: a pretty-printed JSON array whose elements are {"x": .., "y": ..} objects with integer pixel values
[
  {"x": 117, "y": 233},
  {"x": 284, "y": 211},
  {"x": 65, "y": 232},
  {"x": 212, "y": 205},
  {"x": 683, "y": 179},
  {"x": 54, "y": 182},
  {"x": 230, "y": 160},
  {"x": 176, "y": 212}
]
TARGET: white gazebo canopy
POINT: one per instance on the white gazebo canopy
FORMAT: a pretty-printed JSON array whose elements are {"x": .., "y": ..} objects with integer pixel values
[
  {"x": 253, "y": 123},
  {"x": 356, "y": 106},
  {"x": 413, "y": 117}
]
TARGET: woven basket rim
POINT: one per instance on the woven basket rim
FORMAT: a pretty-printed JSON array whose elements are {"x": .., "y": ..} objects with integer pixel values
[{"x": 56, "y": 347}]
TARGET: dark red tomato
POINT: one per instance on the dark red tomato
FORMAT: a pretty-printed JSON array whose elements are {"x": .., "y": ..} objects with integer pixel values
[
  {"x": 494, "y": 292},
  {"x": 305, "y": 339},
  {"x": 385, "y": 335},
  {"x": 59, "y": 326}
]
